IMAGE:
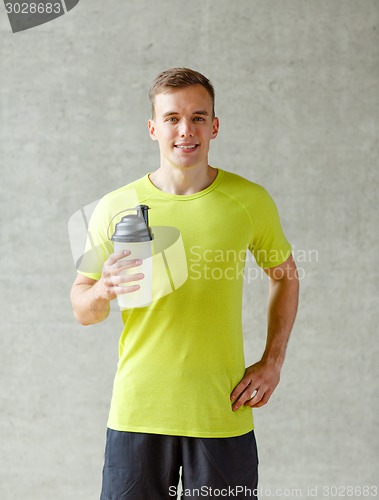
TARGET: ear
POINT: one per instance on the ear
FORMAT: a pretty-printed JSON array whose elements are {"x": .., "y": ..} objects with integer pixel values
[
  {"x": 151, "y": 127},
  {"x": 215, "y": 127}
]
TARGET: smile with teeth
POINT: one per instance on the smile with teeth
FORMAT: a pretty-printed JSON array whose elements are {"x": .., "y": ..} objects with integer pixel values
[{"x": 186, "y": 147}]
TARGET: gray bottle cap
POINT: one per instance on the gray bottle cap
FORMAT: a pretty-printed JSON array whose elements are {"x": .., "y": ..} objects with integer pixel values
[{"x": 133, "y": 228}]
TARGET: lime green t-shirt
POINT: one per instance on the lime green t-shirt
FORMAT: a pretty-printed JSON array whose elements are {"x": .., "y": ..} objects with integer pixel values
[{"x": 181, "y": 356}]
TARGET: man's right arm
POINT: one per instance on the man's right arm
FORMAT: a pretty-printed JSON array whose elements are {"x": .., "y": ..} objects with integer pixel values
[{"x": 91, "y": 299}]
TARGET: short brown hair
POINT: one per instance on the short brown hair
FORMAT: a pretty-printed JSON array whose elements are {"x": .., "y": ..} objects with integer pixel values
[{"x": 178, "y": 78}]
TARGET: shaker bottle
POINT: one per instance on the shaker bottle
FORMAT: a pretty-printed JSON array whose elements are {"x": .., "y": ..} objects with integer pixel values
[{"x": 133, "y": 233}]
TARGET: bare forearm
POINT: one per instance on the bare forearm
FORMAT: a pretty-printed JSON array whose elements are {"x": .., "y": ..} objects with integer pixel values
[
  {"x": 282, "y": 309},
  {"x": 261, "y": 378},
  {"x": 88, "y": 304}
]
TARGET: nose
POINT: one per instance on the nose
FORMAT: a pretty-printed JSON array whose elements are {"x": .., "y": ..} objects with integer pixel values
[{"x": 186, "y": 128}]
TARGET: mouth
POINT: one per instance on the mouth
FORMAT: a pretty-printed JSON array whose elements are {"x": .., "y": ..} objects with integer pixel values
[{"x": 187, "y": 148}]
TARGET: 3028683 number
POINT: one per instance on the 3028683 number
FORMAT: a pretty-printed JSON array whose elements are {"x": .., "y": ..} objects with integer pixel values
[
  {"x": 33, "y": 8},
  {"x": 350, "y": 491}
]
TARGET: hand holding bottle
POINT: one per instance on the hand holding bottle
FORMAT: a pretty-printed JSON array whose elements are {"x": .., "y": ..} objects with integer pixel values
[{"x": 112, "y": 282}]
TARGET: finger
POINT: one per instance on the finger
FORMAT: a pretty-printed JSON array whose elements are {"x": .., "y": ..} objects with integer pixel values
[
  {"x": 123, "y": 265},
  {"x": 264, "y": 400},
  {"x": 126, "y": 278},
  {"x": 114, "y": 257},
  {"x": 239, "y": 389},
  {"x": 120, "y": 290},
  {"x": 254, "y": 398},
  {"x": 253, "y": 394},
  {"x": 248, "y": 397}
]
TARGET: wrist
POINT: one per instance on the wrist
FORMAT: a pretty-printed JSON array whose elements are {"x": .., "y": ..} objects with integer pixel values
[
  {"x": 99, "y": 293},
  {"x": 275, "y": 359},
  {"x": 99, "y": 303}
]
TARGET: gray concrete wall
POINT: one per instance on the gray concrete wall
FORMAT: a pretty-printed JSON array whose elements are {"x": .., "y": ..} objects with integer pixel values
[{"x": 297, "y": 96}]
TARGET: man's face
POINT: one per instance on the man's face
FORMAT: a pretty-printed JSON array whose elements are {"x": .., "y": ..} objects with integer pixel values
[{"x": 183, "y": 125}]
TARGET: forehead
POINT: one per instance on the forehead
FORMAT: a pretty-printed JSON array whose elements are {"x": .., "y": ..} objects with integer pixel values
[{"x": 187, "y": 99}]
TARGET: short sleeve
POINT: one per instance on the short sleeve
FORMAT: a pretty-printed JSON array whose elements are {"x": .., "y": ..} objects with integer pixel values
[
  {"x": 269, "y": 244},
  {"x": 98, "y": 245}
]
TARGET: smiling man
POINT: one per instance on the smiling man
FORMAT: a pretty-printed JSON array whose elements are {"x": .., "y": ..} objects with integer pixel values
[
  {"x": 183, "y": 124},
  {"x": 182, "y": 395}
]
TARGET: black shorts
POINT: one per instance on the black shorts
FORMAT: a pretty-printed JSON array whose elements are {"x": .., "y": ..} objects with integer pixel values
[{"x": 146, "y": 467}]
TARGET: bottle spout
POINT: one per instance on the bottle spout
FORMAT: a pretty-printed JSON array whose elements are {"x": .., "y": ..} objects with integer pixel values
[{"x": 145, "y": 214}]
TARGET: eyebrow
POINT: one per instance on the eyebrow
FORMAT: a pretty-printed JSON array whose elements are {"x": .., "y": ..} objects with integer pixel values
[{"x": 170, "y": 113}]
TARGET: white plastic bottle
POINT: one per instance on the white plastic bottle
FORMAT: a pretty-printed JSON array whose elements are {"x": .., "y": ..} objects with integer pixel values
[{"x": 134, "y": 234}]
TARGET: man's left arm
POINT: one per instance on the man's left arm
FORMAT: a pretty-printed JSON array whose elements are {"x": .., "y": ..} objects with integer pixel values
[{"x": 261, "y": 379}]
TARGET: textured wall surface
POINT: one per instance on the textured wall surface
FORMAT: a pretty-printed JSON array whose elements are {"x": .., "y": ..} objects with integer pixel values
[{"x": 298, "y": 100}]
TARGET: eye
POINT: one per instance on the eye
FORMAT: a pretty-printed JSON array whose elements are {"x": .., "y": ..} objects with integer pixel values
[
  {"x": 198, "y": 119},
  {"x": 171, "y": 119}
]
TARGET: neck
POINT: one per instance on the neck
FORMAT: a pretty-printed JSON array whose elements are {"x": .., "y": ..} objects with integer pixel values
[{"x": 183, "y": 181}]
